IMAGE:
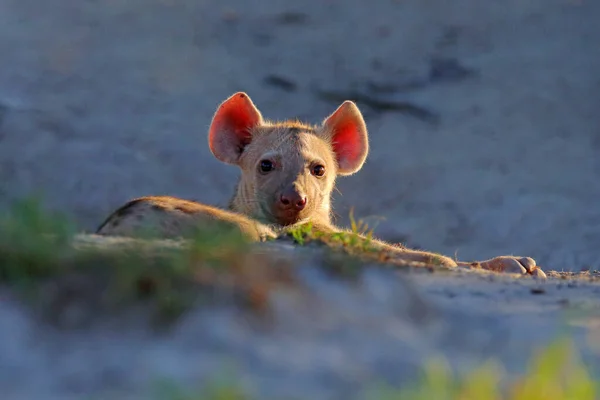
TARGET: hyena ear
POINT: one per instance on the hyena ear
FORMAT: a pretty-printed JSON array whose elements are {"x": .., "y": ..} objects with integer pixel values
[
  {"x": 231, "y": 127},
  {"x": 348, "y": 132}
]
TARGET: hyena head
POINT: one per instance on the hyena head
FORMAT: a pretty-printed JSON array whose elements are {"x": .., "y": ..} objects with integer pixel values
[{"x": 288, "y": 169}]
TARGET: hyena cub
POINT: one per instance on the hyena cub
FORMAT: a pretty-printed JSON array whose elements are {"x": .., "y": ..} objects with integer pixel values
[{"x": 288, "y": 172}]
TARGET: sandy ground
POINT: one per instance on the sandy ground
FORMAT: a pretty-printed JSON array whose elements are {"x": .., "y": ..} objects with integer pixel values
[
  {"x": 485, "y": 134},
  {"x": 324, "y": 336}
]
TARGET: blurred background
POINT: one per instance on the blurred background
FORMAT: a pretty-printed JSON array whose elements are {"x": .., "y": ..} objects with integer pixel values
[{"x": 483, "y": 115}]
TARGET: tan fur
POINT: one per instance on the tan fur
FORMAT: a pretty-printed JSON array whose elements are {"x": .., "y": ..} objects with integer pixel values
[{"x": 294, "y": 148}]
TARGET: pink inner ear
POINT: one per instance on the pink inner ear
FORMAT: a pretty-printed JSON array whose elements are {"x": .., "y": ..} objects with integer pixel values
[
  {"x": 347, "y": 143},
  {"x": 348, "y": 137},
  {"x": 230, "y": 129},
  {"x": 235, "y": 120}
]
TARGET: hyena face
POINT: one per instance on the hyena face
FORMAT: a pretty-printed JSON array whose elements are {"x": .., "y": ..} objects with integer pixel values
[
  {"x": 288, "y": 174},
  {"x": 288, "y": 168}
]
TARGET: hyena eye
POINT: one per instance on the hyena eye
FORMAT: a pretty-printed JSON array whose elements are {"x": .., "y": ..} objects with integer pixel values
[
  {"x": 266, "y": 166},
  {"x": 318, "y": 170}
]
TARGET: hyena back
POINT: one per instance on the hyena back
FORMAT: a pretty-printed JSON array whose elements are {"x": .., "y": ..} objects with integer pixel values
[{"x": 171, "y": 217}]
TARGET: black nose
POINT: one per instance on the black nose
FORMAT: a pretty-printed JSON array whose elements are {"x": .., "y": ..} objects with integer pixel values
[{"x": 293, "y": 199}]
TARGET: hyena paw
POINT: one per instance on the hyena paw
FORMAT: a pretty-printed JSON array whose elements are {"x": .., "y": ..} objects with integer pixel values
[{"x": 520, "y": 265}]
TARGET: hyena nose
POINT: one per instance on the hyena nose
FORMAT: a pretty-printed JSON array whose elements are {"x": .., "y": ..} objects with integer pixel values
[{"x": 293, "y": 199}]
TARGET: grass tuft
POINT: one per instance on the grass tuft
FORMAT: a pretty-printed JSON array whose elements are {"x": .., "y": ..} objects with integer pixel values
[
  {"x": 358, "y": 240},
  {"x": 32, "y": 241},
  {"x": 554, "y": 373},
  {"x": 215, "y": 389},
  {"x": 36, "y": 250}
]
